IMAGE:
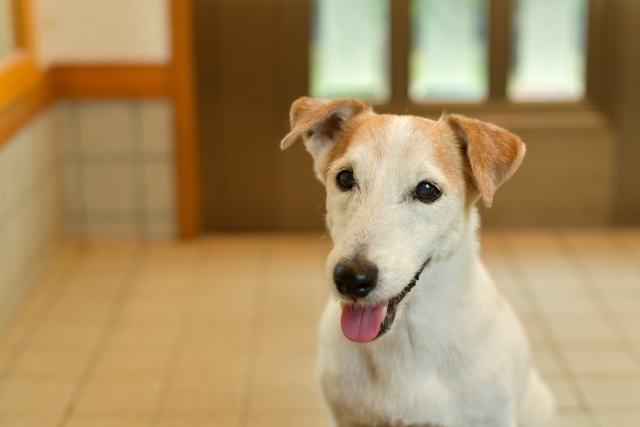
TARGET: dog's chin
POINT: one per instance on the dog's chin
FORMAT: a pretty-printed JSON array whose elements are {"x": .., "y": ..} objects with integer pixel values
[{"x": 364, "y": 324}]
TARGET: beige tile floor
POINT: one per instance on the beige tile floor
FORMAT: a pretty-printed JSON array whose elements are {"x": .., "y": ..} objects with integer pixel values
[{"x": 222, "y": 331}]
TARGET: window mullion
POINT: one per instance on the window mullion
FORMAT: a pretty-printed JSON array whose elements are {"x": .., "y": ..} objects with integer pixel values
[
  {"x": 599, "y": 53},
  {"x": 499, "y": 48},
  {"x": 400, "y": 45}
]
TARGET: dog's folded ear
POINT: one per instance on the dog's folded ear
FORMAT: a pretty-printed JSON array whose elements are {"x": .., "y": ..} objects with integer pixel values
[
  {"x": 320, "y": 122},
  {"x": 320, "y": 117},
  {"x": 493, "y": 153}
]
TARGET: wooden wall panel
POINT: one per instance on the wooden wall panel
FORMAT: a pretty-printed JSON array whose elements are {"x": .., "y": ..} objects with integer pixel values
[
  {"x": 251, "y": 65},
  {"x": 566, "y": 179},
  {"x": 626, "y": 110}
]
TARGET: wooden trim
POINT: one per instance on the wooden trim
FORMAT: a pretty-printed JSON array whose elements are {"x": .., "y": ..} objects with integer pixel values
[
  {"x": 12, "y": 119},
  {"x": 25, "y": 91},
  {"x": 518, "y": 121},
  {"x": 97, "y": 81},
  {"x": 400, "y": 47},
  {"x": 577, "y": 115},
  {"x": 18, "y": 76},
  {"x": 183, "y": 92},
  {"x": 18, "y": 24},
  {"x": 25, "y": 38},
  {"x": 600, "y": 54},
  {"x": 35, "y": 92},
  {"x": 500, "y": 106},
  {"x": 499, "y": 39}
]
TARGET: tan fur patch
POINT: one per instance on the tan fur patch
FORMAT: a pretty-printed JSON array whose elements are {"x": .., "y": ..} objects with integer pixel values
[
  {"x": 361, "y": 127},
  {"x": 445, "y": 155},
  {"x": 347, "y": 136}
]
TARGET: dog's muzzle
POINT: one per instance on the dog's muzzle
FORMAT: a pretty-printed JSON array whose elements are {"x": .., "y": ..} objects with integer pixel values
[
  {"x": 365, "y": 323},
  {"x": 393, "y": 302}
]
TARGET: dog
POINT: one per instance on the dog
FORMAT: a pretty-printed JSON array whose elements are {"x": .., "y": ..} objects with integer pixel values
[{"x": 417, "y": 334}]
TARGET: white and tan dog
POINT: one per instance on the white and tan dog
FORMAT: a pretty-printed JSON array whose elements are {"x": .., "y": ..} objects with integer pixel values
[{"x": 418, "y": 334}]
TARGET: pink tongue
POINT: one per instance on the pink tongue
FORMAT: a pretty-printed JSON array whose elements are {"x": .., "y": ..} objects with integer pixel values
[{"x": 361, "y": 324}]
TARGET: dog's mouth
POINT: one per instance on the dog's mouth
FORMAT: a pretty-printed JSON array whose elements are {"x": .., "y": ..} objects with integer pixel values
[{"x": 365, "y": 324}]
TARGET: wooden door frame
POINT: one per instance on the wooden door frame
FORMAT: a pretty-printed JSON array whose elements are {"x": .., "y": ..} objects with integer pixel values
[{"x": 30, "y": 90}]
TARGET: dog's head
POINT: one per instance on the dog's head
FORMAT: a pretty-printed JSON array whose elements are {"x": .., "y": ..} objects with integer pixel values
[{"x": 400, "y": 190}]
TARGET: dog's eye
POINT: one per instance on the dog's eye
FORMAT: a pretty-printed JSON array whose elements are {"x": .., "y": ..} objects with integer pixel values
[
  {"x": 344, "y": 179},
  {"x": 427, "y": 192}
]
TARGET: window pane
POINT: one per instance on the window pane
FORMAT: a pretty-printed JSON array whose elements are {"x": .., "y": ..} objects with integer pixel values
[
  {"x": 7, "y": 36},
  {"x": 350, "y": 49},
  {"x": 449, "y": 50},
  {"x": 549, "y": 50}
]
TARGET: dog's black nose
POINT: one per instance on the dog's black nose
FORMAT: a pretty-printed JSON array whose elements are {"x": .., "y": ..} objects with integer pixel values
[{"x": 354, "y": 277}]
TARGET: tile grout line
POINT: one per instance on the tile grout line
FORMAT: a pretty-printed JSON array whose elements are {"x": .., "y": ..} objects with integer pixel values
[
  {"x": 78, "y": 173},
  {"x": 35, "y": 257},
  {"x": 599, "y": 299},
  {"x": 129, "y": 279},
  {"x": 552, "y": 342},
  {"x": 185, "y": 321},
  {"x": 44, "y": 258},
  {"x": 30, "y": 192},
  {"x": 627, "y": 249},
  {"x": 254, "y": 338},
  {"x": 138, "y": 161},
  {"x": 33, "y": 322}
]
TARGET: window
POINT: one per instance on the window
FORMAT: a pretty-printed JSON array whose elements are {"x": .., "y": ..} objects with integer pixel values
[
  {"x": 548, "y": 50},
  {"x": 502, "y": 54},
  {"x": 448, "y": 59},
  {"x": 350, "y": 49}
]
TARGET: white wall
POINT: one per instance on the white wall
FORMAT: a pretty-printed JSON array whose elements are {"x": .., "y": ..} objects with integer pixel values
[{"x": 102, "y": 31}]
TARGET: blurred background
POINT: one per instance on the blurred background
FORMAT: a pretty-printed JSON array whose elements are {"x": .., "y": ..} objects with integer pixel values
[{"x": 161, "y": 261}]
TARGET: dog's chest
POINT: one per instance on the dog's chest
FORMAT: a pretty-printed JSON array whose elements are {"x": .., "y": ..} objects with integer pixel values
[{"x": 401, "y": 399}]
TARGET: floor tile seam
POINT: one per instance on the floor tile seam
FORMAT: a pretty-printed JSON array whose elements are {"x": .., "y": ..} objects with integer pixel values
[
  {"x": 604, "y": 376},
  {"x": 32, "y": 275},
  {"x": 554, "y": 346},
  {"x": 599, "y": 300},
  {"x": 180, "y": 337},
  {"x": 134, "y": 269},
  {"x": 264, "y": 267},
  {"x": 632, "y": 410},
  {"x": 56, "y": 292},
  {"x": 627, "y": 249}
]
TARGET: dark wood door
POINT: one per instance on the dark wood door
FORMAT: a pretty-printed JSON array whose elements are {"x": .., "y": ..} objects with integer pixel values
[
  {"x": 251, "y": 65},
  {"x": 626, "y": 110}
]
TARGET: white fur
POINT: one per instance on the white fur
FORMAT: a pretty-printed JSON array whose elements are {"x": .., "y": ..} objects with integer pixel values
[{"x": 456, "y": 355}]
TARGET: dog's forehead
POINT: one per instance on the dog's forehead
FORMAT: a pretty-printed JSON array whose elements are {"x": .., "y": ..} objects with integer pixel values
[{"x": 407, "y": 142}]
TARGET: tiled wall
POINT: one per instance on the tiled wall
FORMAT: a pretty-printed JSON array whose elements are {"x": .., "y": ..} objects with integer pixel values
[
  {"x": 31, "y": 213},
  {"x": 99, "y": 31},
  {"x": 118, "y": 166},
  {"x": 105, "y": 168}
]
